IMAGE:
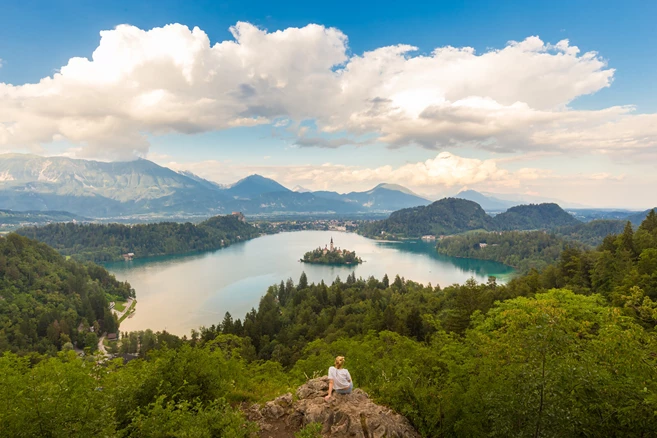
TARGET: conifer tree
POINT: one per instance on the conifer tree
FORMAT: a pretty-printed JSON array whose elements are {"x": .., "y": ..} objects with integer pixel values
[
  {"x": 650, "y": 222},
  {"x": 303, "y": 281},
  {"x": 627, "y": 239},
  {"x": 282, "y": 295}
]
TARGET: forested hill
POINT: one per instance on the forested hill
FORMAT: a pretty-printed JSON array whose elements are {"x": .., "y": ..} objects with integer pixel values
[
  {"x": 103, "y": 243},
  {"x": 447, "y": 216},
  {"x": 526, "y": 250},
  {"x": 533, "y": 217},
  {"x": 45, "y": 298},
  {"x": 565, "y": 351},
  {"x": 454, "y": 215},
  {"x": 592, "y": 233}
]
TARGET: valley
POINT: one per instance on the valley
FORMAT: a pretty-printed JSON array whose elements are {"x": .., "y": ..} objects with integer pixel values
[{"x": 359, "y": 220}]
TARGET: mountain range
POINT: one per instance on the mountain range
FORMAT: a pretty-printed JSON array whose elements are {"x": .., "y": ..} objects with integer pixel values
[
  {"x": 141, "y": 187},
  {"x": 487, "y": 202}
]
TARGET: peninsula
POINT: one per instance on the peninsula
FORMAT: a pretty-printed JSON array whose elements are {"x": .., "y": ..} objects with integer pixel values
[{"x": 330, "y": 255}]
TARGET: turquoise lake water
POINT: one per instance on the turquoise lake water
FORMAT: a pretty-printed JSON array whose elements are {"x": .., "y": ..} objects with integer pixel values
[{"x": 180, "y": 293}]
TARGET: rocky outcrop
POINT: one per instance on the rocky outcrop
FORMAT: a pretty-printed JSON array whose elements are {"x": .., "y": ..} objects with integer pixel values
[{"x": 353, "y": 415}]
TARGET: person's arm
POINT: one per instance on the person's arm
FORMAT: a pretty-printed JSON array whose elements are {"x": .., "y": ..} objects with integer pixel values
[
  {"x": 348, "y": 377},
  {"x": 330, "y": 389}
]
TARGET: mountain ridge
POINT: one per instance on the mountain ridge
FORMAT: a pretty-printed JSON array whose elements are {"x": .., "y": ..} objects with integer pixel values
[
  {"x": 141, "y": 187},
  {"x": 488, "y": 203}
]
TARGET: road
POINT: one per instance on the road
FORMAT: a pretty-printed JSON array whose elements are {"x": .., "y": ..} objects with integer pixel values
[{"x": 101, "y": 346}]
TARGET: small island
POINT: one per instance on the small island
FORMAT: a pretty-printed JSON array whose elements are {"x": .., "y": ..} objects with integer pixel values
[{"x": 330, "y": 255}]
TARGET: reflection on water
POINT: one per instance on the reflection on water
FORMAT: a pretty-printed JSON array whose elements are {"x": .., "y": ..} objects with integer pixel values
[
  {"x": 178, "y": 293},
  {"x": 482, "y": 268}
]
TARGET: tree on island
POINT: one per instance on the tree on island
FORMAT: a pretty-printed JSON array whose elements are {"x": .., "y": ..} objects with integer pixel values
[{"x": 331, "y": 256}]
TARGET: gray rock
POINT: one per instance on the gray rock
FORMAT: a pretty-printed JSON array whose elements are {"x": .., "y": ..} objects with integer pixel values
[{"x": 352, "y": 415}]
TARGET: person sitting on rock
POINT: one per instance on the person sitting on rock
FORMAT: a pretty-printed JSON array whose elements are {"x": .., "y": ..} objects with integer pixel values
[{"x": 339, "y": 379}]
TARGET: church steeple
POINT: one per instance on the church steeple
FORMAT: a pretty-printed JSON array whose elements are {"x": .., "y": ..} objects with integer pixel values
[{"x": 331, "y": 243}]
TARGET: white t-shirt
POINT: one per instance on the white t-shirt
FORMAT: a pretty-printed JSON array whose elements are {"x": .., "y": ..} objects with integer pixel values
[{"x": 341, "y": 378}]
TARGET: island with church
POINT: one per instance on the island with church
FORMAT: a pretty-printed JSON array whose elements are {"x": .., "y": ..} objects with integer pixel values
[{"x": 330, "y": 255}]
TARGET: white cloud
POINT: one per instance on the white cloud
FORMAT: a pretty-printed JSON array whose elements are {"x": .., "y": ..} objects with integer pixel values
[
  {"x": 440, "y": 175},
  {"x": 445, "y": 175},
  {"x": 171, "y": 79}
]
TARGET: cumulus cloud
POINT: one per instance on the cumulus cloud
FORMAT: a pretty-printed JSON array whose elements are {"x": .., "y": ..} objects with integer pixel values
[{"x": 173, "y": 79}]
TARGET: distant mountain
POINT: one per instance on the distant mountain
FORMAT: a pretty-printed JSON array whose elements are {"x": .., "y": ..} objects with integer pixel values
[
  {"x": 300, "y": 189},
  {"x": 396, "y": 188},
  {"x": 98, "y": 189},
  {"x": 124, "y": 189},
  {"x": 379, "y": 199},
  {"x": 254, "y": 185},
  {"x": 488, "y": 203},
  {"x": 525, "y": 199},
  {"x": 637, "y": 218},
  {"x": 202, "y": 181},
  {"x": 533, "y": 217},
  {"x": 447, "y": 216},
  {"x": 384, "y": 197},
  {"x": 290, "y": 202}
]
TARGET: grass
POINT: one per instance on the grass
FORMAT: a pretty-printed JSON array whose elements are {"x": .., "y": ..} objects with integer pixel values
[
  {"x": 119, "y": 306},
  {"x": 130, "y": 311}
]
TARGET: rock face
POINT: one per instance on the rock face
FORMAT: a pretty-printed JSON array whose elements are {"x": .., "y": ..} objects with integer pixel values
[{"x": 353, "y": 415}]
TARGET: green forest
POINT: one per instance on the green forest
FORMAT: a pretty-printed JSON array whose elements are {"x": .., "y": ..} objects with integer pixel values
[
  {"x": 569, "y": 350},
  {"x": 105, "y": 243},
  {"x": 533, "y": 217},
  {"x": 48, "y": 303},
  {"x": 591, "y": 233},
  {"x": 447, "y": 216},
  {"x": 453, "y": 216},
  {"x": 524, "y": 250}
]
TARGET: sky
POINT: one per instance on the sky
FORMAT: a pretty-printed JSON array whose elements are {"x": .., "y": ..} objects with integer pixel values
[{"x": 556, "y": 100}]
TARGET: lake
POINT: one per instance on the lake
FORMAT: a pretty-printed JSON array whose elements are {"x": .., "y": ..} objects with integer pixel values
[{"x": 180, "y": 293}]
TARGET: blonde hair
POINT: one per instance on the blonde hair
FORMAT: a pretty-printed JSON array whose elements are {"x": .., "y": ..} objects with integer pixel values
[{"x": 339, "y": 362}]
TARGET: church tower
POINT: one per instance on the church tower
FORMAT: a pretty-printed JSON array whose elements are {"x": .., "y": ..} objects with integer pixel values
[{"x": 331, "y": 243}]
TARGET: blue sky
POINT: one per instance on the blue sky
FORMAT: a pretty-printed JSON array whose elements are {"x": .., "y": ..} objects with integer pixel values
[{"x": 38, "y": 38}]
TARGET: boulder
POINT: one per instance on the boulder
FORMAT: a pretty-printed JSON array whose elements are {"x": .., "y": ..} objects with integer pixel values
[
  {"x": 275, "y": 409},
  {"x": 352, "y": 415}
]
